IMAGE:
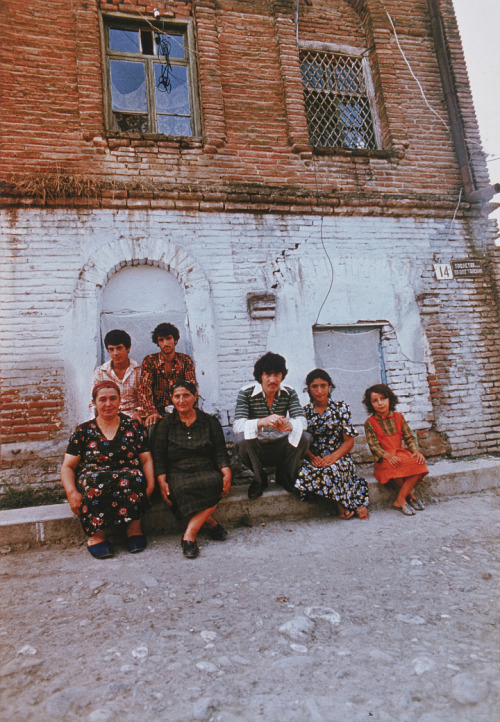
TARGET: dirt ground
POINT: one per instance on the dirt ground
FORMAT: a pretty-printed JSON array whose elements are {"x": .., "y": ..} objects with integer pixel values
[{"x": 394, "y": 618}]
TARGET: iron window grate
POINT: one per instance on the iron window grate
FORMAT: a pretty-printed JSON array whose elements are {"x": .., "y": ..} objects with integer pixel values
[{"x": 337, "y": 106}]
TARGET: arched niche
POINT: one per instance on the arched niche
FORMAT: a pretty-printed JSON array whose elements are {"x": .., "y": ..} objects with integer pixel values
[
  {"x": 138, "y": 298},
  {"x": 82, "y": 328}
]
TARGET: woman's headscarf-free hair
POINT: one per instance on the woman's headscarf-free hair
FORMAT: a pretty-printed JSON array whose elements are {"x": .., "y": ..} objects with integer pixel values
[
  {"x": 319, "y": 374},
  {"x": 185, "y": 384}
]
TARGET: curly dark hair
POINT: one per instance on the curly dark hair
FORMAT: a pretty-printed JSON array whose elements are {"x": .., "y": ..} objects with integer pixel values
[
  {"x": 269, "y": 363},
  {"x": 164, "y": 330},
  {"x": 319, "y": 374},
  {"x": 386, "y": 392},
  {"x": 117, "y": 337}
]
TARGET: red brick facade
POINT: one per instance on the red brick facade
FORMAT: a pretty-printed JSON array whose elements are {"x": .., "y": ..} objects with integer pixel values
[{"x": 254, "y": 152}]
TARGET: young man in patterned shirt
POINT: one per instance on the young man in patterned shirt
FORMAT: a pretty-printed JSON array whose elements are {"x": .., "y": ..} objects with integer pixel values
[
  {"x": 159, "y": 372},
  {"x": 270, "y": 426}
]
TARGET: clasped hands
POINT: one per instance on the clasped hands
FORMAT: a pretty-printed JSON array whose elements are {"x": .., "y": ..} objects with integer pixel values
[
  {"x": 395, "y": 461},
  {"x": 280, "y": 423},
  {"x": 323, "y": 461}
]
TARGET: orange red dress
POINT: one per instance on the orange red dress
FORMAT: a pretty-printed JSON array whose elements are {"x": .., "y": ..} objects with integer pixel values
[{"x": 392, "y": 443}]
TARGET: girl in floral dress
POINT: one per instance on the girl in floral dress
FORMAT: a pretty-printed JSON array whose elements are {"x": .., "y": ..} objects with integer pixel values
[{"x": 328, "y": 469}]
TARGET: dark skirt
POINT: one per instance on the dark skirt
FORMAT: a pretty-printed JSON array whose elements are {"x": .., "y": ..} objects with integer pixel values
[{"x": 194, "y": 486}]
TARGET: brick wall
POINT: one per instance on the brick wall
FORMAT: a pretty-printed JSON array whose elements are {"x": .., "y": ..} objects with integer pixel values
[
  {"x": 439, "y": 350},
  {"x": 245, "y": 208},
  {"x": 255, "y": 145}
]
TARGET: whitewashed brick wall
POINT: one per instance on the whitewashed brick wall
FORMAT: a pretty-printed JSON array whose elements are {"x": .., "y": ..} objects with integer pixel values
[{"x": 57, "y": 262}]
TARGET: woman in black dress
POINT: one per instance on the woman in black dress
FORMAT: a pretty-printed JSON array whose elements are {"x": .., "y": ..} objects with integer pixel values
[
  {"x": 107, "y": 473},
  {"x": 192, "y": 465}
]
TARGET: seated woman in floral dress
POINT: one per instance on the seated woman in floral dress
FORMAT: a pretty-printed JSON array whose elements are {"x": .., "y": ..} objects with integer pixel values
[
  {"x": 328, "y": 469},
  {"x": 107, "y": 473}
]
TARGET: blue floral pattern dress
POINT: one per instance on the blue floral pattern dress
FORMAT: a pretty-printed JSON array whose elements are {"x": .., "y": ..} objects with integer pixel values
[
  {"x": 337, "y": 482},
  {"x": 109, "y": 475}
]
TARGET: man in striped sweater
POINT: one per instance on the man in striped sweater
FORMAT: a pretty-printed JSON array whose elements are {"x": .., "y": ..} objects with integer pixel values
[{"x": 270, "y": 426}]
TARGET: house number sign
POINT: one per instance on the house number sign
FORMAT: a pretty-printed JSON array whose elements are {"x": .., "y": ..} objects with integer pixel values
[
  {"x": 443, "y": 271},
  {"x": 458, "y": 269}
]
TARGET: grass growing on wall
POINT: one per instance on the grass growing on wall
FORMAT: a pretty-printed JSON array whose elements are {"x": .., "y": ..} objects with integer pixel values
[{"x": 14, "y": 498}]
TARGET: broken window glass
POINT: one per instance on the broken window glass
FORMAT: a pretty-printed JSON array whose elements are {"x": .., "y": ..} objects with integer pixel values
[{"x": 150, "y": 80}]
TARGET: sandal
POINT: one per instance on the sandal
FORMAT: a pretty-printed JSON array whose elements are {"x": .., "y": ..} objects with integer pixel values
[
  {"x": 345, "y": 513},
  {"x": 416, "y": 504},
  {"x": 362, "y": 512},
  {"x": 405, "y": 509}
]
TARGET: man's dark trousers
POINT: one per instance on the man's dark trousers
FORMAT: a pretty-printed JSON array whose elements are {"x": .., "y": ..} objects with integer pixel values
[{"x": 257, "y": 454}]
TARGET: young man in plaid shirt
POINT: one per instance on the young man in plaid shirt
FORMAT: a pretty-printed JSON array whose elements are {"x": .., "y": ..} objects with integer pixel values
[{"x": 123, "y": 371}]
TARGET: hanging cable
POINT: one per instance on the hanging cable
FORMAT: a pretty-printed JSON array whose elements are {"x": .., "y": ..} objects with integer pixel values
[
  {"x": 396, "y": 37},
  {"x": 164, "y": 82},
  {"x": 455, "y": 214},
  {"x": 332, "y": 270}
]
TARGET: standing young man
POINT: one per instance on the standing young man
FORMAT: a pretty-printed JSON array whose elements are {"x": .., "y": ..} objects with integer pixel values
[
  {"x": 122, "y": 370},
  {"x": 159, "y": 372},
  {"x": 270, "y": 426}
]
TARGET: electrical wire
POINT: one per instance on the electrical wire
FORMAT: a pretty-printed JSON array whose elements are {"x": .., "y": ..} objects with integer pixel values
[
  {"x": 455, "y": 214},
  {"x": 164, "y": 83},
  {"x": 332, "y": 270},
  {"x": 396, "y": 37}
]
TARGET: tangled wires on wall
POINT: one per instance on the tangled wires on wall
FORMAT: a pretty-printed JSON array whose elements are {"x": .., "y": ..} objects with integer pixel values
[{"x": 164, "y": 82}]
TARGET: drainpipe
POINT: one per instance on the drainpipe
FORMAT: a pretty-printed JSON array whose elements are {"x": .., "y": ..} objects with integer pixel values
[{"x": 470, "y": 189}]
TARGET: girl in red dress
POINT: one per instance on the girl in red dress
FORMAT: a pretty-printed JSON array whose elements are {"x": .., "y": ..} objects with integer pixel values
[{"x": 386, "y": 430}]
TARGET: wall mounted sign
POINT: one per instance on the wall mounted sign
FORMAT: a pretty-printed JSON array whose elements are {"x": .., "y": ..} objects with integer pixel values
[
  {"x": 443, "y": 271},
  {"x": 468, "y": 268}
]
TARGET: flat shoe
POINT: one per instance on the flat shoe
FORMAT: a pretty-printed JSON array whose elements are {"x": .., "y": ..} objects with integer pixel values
[
  {"x": 217, "y": 532},
  {"x": 190, "y": 549},
  {"x": 416, "y": 504},
  {"x": 136, "y": 543},
  {"x": 255, "y": 490},
  {"x": 405, "y": 509},
  {"x": 103, "y": 550}
]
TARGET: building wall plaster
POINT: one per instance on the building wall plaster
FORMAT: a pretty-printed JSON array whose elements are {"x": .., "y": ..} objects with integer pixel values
[{"x": 58, "y": 263}]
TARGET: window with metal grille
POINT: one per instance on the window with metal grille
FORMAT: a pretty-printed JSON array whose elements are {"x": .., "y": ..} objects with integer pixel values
[
  {"x": 150, "y": 79},
  {"x": 337, "y": 104}
]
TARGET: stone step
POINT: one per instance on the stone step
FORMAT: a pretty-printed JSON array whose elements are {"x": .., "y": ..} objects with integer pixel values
[{"x": 55, "y": 524}]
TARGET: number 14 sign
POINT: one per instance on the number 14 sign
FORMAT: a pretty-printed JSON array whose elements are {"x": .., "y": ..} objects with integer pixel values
[{"x": 443, "y": 271}]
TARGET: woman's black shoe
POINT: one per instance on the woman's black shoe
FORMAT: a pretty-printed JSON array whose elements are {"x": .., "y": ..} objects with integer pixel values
[
  {"x": 217, "y": 532},
  {"x": 190, "y": 549}
]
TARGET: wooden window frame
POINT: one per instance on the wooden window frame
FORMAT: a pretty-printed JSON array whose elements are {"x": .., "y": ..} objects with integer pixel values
[{"x": 126, "y": 22}]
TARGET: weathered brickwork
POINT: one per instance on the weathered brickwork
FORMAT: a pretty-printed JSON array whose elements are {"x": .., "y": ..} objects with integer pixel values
[
  {"x": 249, "y": 207},
  {"x": 255, "y": 142}
]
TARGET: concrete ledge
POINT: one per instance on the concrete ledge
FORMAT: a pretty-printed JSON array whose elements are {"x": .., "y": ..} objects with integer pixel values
[{"x": 55, "y": 524}]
